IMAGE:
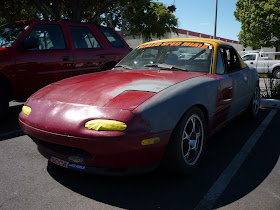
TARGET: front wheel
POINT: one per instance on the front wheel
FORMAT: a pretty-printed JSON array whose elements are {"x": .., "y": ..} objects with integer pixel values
[{"x": 187, "y": 143}]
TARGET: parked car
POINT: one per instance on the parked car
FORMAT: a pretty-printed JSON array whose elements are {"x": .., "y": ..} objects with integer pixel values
[
  {"x": 34, "y": 54},
  {"x": 263, "y": 63},
  {"x": 152, "y": 109}
]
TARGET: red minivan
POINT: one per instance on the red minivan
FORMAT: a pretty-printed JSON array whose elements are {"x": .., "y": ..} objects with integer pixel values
[{"x": 34, "y": 54}]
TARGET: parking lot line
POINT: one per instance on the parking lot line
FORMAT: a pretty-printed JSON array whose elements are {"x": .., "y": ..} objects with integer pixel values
[{"x": 212, "y": 196}]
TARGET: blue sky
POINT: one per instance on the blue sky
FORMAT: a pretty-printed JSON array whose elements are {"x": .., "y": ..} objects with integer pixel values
[{"x": 199, "y": 16}]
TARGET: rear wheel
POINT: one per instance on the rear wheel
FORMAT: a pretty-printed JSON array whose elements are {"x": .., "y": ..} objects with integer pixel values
[
  {"x": 276, "y": 73},
  {"x": 254, "y": 105},
  {"x": 187, "y": 143}
]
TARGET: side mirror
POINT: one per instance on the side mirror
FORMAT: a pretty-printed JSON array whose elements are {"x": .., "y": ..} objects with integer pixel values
[{"x": 30, "y": 43}]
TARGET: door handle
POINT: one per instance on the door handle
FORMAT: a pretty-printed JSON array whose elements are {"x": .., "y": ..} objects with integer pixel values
[
  {"x": 101, "y": 56},
  {"x": 65, "y": 58},
  {"x": 245, "y": 76},
  {"x": 252, "y": 63}
]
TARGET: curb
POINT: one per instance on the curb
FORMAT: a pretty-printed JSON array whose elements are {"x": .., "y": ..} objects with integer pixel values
[{"x": 270, "y": 104}]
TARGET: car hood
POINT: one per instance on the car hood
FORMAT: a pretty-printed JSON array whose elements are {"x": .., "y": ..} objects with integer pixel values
[{"x": 124, "y": 89}]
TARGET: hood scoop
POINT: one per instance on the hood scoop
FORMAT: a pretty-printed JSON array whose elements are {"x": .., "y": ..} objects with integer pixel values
[{"x": 143, "y": 85}]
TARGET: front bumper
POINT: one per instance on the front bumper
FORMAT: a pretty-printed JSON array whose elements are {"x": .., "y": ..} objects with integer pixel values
[
  {"x": 103, "y": 154},
  {"x": 106, "y": 171}
]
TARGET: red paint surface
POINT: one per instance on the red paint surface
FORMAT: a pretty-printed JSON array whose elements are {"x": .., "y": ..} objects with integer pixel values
[{"x": 98, "y": 89}]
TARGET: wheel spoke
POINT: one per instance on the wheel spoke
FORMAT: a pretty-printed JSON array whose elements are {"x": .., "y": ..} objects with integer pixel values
[
  {"x": 186, "y": 136},
  {"x": 193, "y": 124}
]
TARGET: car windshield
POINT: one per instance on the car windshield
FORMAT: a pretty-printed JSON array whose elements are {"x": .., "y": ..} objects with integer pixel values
[
  {"x": 175, "y": 56},
  {"x": 9, "y": 33}
]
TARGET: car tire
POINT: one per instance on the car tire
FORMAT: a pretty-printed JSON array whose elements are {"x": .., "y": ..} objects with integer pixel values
[
  {"x": 276, "y": 73},
  {"x": 187, "y": 143},
  {"x": 254, "y": 106},
  {"x": 4, "y": 101}
]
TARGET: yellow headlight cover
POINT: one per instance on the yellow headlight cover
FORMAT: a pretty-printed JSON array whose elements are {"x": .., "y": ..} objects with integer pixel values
[
  {"x": 26, "y": 110},
  {"x": 105, "y": 125}
]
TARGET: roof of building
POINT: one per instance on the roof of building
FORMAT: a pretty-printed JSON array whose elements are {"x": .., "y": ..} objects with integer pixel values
[{"x": 192, "y": 33}]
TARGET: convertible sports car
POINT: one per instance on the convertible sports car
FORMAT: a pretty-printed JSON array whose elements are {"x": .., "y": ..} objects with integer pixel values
[{"x": 155, "y": 108}]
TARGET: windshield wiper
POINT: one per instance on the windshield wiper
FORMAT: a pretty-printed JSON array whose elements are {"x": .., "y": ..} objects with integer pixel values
[
  {"x": 123, "y": 66},
  {"x": 164, "y": 66}
]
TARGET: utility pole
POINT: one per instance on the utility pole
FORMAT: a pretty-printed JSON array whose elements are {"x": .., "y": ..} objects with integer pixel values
[{"x": 215, "y": 26}]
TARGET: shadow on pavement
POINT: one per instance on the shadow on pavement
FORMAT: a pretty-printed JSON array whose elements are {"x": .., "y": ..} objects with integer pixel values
[
  {"x": 9, "y": 127},
  {"x": 256, "y": 167},
  {"x": 158, "y": 191}
]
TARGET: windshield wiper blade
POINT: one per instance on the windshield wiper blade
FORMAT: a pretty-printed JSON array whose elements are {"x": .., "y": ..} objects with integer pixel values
[
  {"x": 164, "y": 66},
  {"x": 123, "y": 66}
]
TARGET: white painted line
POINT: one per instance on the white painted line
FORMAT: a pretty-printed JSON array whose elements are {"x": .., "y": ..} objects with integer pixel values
[{"x": 212, "y": 196}]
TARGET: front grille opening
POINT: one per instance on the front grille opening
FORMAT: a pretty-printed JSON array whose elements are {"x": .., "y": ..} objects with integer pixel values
[{"x": 60, "y": 149}]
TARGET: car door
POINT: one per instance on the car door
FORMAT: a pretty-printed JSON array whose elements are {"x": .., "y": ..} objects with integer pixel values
[
  {"x": 225, "y": 91},
  {"x": 263, "y": 64},
  {"x": 46, "y": 59},
  {"x": 232, "y": 97},
  {"x": 250, "y": 60},
  {"x": 88, "y": 51},
  {"x": 239, "y": 77}
]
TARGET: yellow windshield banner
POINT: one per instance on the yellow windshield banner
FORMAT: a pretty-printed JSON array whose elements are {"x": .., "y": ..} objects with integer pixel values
[{"x": 188, "y": 44}]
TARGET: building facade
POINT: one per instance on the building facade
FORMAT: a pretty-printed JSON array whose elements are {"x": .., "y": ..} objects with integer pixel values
[{"x": 135, "y": 41}]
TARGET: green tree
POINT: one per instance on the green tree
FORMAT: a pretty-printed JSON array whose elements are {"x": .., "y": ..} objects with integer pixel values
[
  {"x": 148, "y": 19},
  {"x": 142, "y": 17},
  {"x": 260, "y": 22},
  {"x": 13, "y": 10}
]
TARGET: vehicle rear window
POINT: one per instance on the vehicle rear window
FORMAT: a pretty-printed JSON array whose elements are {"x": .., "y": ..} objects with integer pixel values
[
  {"x": 83, "y": 38},
  {"x": 112, "y": 37}
]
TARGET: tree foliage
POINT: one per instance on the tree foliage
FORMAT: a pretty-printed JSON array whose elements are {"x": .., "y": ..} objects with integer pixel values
[
  {"x": 142, "y": 17},
  {"x": 260, "y": 22},
  {"x": 13, "y": 10},
  {"x": 149, "y": 19}
]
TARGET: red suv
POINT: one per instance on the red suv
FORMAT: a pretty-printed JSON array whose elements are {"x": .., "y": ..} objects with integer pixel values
[{"x": 36, "y": 53}]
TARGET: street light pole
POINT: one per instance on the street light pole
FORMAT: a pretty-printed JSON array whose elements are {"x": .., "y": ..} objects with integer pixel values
[{"x": 215, "y": 26}]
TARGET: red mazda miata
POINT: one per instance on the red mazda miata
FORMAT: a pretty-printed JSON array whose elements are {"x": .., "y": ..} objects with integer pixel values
[{"x": 156, "y": 107}]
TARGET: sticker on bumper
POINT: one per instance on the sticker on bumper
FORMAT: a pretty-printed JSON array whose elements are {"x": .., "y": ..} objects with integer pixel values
[
  {"x": 59, "y": 162},
  {"x": 72, "y": 165},
  {"x": 77, "y": 158},
  {"x": 66, "y": 164}
]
